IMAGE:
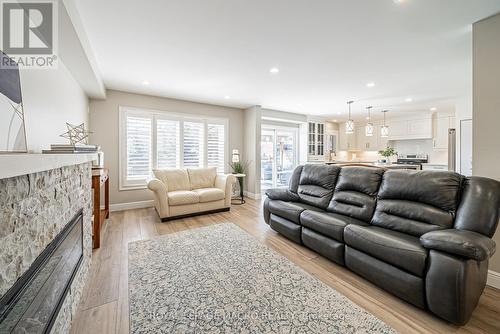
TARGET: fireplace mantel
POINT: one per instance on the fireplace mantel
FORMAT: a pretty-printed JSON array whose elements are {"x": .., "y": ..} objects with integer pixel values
[{"x": 12, "y": 165}]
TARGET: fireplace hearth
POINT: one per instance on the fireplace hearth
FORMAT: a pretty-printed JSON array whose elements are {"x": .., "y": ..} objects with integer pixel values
[{"x": 32, "y": 304}]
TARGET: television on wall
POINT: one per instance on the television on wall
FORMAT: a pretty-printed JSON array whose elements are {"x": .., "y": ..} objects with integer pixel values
[{"x": 12, "y": 127}]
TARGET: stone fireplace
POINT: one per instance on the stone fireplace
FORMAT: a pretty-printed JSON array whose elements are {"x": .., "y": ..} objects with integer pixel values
[{"x": 35, "y": 211}]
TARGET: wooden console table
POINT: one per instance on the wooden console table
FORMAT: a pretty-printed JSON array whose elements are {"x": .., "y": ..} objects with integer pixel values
[{"x": 100, "y": 177}]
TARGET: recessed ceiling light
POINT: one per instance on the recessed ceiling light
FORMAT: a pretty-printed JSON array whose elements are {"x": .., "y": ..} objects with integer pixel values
[
  {"x": 370, "y": 84},
  {"x": 367, "y": 118},
  {"x": 226, "y": 97},
  {"x": 339, "y": 113},
  {"x": 399, "y": 1},
  {"x": 335, "y": 121},
  {"x": 408, "y": 99},
  {"x": 145, "y": 82},
  {"x": 274, "y": 70},
  {"x": 434, "y": 109}
]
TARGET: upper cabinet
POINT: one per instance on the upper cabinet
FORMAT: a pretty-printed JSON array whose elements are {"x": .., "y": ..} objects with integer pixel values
[
  {"x": 316, "y": 141},
  {"x": 440, "y": 130},
  {"x": 364, "y": 142},
  {"x": 347, "y": 142},
  {"x": 402, "y": 129}
]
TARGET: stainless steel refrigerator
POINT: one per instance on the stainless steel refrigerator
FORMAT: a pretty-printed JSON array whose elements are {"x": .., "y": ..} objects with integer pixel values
[{"x": 452, "y": 150}]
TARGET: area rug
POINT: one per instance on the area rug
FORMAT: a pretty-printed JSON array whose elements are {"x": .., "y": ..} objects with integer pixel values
[{"x": 220, "y": 279}]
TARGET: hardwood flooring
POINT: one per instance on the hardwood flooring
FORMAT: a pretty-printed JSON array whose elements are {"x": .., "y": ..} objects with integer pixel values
[{"x": 104, "y": 305}]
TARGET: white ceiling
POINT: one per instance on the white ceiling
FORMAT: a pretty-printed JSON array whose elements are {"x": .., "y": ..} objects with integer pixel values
[{"x": 326, "y": 51}]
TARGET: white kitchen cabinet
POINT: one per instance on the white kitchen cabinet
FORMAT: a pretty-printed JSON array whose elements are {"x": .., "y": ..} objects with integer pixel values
[
  {"x": 403, "y": 129},
  {"x": 363, "y": 142},
  {"x": 347, "y": 142},
  {"x": 316, "y": 141},
  {"x": 437, "y": 167},
  {"x": 440, "y": 131},
  {"x": 398, "y": 129},
  {"x": 381, "y": 141}
]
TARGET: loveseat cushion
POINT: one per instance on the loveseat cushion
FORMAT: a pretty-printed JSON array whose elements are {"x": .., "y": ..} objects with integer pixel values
[
  {"x": 174, "y": 178},
  {"x": 399, "y": 249},
  {"x": 290, "y": 210},
  {"x": 329, "y": 224},
  {"x": 182, "y": 197},
  {"x": 210, "y": 194},
  {"x": 202, "y": 177}
]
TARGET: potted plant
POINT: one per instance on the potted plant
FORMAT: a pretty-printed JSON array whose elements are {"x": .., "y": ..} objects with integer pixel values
[{"x": 387, "y": 153}]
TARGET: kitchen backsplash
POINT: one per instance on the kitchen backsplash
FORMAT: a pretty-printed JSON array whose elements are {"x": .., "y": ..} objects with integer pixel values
[{"x": 401, "y": 146}]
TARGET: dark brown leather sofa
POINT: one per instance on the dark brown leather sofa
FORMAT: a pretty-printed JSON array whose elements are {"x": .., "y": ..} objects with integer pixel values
[{"x": 424, "y": 236}]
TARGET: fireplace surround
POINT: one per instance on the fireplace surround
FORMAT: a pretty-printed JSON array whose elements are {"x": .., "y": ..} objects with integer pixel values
[
  {"x": 35, "y": 208},
  {"x": 32, "y": 303}
]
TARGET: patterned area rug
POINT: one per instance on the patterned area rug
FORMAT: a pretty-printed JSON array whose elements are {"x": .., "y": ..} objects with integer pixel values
[{"x": 219, "y": 279}]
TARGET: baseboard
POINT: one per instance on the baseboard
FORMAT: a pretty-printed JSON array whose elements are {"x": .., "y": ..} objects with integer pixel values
[
  {"x": 493, "y": 279},
  {"x": 251, "y": 195},
  {"x": 130, "y": 205}
]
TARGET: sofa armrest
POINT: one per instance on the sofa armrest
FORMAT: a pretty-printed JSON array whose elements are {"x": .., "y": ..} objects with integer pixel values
[
  {"x": 225, "y": 183},
  {"x": 282, "y": 194},
  {"x": 463, "y": 243},
  {"x": 160, "y": 191}
]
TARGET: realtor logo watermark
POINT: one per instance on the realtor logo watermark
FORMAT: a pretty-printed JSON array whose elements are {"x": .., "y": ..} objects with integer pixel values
[{"x": 29, "y": 33}]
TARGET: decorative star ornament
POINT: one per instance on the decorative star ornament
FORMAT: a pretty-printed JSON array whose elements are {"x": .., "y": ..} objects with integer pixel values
[{"x": 76, "y": 134}]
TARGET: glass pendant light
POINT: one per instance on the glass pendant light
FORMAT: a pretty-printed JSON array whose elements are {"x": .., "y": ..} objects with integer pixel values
[
  {"x": 384, "y": 130},
  {"x": 369, "y": 125},
  {"x": 349, "y": 125}
]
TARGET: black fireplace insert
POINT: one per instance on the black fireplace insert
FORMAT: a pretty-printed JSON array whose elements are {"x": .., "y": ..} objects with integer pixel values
[{"x": 31, "y": 305}]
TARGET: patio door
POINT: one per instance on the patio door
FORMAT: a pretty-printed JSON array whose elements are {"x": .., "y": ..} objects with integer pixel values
[{"x": 278, "y": 156}]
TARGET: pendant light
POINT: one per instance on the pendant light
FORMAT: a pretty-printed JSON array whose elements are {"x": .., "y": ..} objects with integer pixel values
[
  {"x": 384, "y": 130},
  {"x": 369, "y": 125},
  {"x": 349, "y": 125}
]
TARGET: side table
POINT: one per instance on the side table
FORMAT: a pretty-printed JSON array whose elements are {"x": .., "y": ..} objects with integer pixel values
[
  {"x": 240, "y": 199},
  {"x": 100, "y": 177}
]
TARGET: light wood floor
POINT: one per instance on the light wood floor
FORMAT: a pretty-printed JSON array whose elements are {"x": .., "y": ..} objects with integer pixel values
[{"x": 104, "y": 305}]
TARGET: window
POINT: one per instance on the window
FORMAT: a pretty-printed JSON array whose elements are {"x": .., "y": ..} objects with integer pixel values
[
  {"x": 215, "y": 146},
  {"x": 167, "y": 143},
  {"x": 193, "y": 144},
  {"x": 138, "y": 147},
  {"x": 155, "y": 139}
]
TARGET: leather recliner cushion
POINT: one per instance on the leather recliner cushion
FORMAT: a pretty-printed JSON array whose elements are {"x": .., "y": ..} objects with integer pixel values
[
  {"x": 316, "y": 184},
  {"x": 355, "y": 192},
  {"x": 410, "y": 217},
  {"x": 399, "y": 249},
  {"x": 439, "y": 189},
  {"x": 289, "y": 210},
  {"x": 329, "y": 224}
]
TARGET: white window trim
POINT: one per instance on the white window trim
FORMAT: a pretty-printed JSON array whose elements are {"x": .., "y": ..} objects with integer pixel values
[{"x": 123, "y": 183}]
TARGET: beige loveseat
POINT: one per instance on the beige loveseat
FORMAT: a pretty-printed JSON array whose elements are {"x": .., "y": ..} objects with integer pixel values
[{"x": 192, "y": 191}]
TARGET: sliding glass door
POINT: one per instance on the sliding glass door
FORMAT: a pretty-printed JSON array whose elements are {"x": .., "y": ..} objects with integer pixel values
[{"x": 278, "y": 156}]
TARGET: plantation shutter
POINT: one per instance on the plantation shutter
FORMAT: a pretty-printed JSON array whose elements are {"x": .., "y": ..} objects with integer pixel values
[
  {"x": 138, "y": 136},
  {"x": 167, "y": 143},
  {"x": 193, "y": 144},
  {"x": 215, "y": 146}
]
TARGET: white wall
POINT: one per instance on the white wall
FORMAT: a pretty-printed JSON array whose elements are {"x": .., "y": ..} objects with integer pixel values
[
  {"x": 104, "y": 125},
  {"x": 251, "y": 150},
  {"x": 51, "y": 98},
  {"x": 486, "y": 105}
]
